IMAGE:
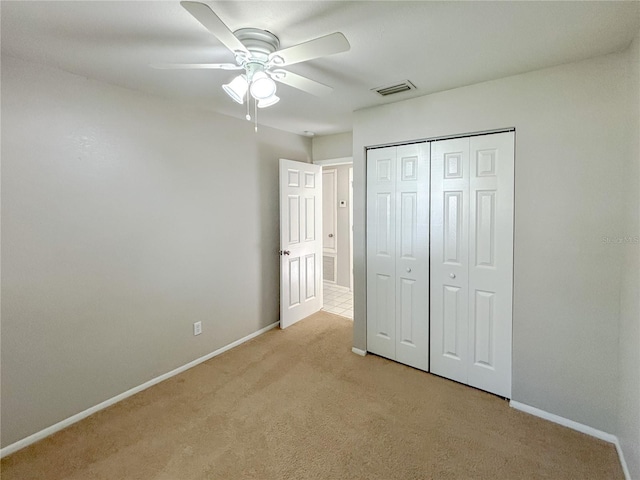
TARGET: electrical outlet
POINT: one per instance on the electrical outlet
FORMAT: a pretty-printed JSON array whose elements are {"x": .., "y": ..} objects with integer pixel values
[{"x": 197, "y": 328}]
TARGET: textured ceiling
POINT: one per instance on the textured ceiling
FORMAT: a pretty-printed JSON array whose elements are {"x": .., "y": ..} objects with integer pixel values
[{"x": 436, "y": 45}]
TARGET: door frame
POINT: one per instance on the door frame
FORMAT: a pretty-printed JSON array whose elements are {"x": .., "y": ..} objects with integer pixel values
[
  {"x": 334, "y": 226},
  {"x": 351, "y": 226}
]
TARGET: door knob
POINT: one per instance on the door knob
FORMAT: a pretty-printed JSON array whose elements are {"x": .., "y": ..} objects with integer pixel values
[
  {"x": 284, "y": 252},
  {"x": 452, "y": 275},
  {"x": 331, "y": 235},
  {"x": 408, "y": 270}
]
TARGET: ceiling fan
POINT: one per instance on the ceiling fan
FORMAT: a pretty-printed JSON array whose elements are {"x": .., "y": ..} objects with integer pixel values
[{"x": 257, "y": 53}]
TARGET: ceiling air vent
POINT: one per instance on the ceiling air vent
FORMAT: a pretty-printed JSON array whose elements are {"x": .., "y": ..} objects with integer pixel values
[{"x": 399, "y": 87}]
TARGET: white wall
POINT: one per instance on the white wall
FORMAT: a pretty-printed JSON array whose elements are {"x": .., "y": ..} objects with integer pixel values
[
  {"x": 629, "y": 392},
  {"x": 571, "y": 156},
  {"x": 125, "y": 219},
  {"x": 339, "y": 145}
]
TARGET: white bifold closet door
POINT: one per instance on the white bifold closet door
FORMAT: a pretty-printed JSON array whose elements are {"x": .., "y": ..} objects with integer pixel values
[
  {"x": 398, "y": 253},
  {"x": 472, "y": 260}
]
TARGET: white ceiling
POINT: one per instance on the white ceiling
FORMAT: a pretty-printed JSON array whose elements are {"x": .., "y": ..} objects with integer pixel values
[{"x": 436, "y": 45}]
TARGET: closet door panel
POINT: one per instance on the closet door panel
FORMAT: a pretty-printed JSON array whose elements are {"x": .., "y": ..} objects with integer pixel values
[
  {"x": 491, "y": 262},
  {"x": 412, "y": 259},
  {"x": 381, "y": 252},
  {"x": 449, "y": 258}
]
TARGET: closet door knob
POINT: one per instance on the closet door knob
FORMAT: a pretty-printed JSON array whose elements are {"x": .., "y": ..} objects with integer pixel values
[
  {"x": 331, "y": 235},
  {"x": 408, "y": 270},
  {"x": 452, "y": 275}
]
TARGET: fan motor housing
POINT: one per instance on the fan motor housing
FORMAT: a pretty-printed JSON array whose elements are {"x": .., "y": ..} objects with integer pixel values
[{"x": 260, "y": 43}]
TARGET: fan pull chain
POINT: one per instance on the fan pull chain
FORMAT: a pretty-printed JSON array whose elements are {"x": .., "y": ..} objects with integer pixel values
[
  {"x": 255, "y": 113},
  {"x": 248, "y": 117}
]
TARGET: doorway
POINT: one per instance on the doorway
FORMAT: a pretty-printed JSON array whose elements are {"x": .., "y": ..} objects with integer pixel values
[{"x": 337, "y": 230}]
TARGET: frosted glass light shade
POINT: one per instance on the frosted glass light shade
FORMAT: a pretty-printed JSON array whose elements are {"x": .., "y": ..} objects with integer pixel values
[
  {"x": 237, "y": 88},
  {"x": 262, "y": 87},
  {"x": 267, "y": 102}
]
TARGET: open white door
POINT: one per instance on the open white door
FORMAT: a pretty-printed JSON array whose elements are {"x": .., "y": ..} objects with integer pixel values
[{"x": 300, "y": 241}]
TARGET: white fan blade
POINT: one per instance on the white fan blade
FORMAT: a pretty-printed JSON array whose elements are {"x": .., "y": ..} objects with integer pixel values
[
  {"x": 195, "y": 66},
  {"x": 301, "y": 83},
  {"x": 212, "y": 22},
  {"x": 320, "y": 47}
]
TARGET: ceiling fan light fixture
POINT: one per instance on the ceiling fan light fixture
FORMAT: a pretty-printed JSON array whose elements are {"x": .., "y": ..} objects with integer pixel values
[
  {"x": 237, "y": 88},
  {"x": 262, "y": 86},
  {"x": 267, "y": 102},
  {"x": 258, "y": 53}
]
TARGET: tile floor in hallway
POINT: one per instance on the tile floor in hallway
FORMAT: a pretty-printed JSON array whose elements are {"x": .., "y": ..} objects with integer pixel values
[{"x": 338, "y": 300}]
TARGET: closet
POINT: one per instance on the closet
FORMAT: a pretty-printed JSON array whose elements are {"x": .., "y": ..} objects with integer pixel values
[{"x": 440, "y": 257}]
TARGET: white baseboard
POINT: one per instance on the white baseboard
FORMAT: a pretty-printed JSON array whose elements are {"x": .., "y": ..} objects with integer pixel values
[
  {"x": 357, "y": 351},
  {"x": 565, "y": 422},
  {"x": 14, "y": 447},
  {"x": 623, "y": 462}
]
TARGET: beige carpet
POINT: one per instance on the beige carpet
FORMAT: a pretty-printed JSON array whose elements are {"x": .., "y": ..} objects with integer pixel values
[{"x": 297, "y": 404}]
